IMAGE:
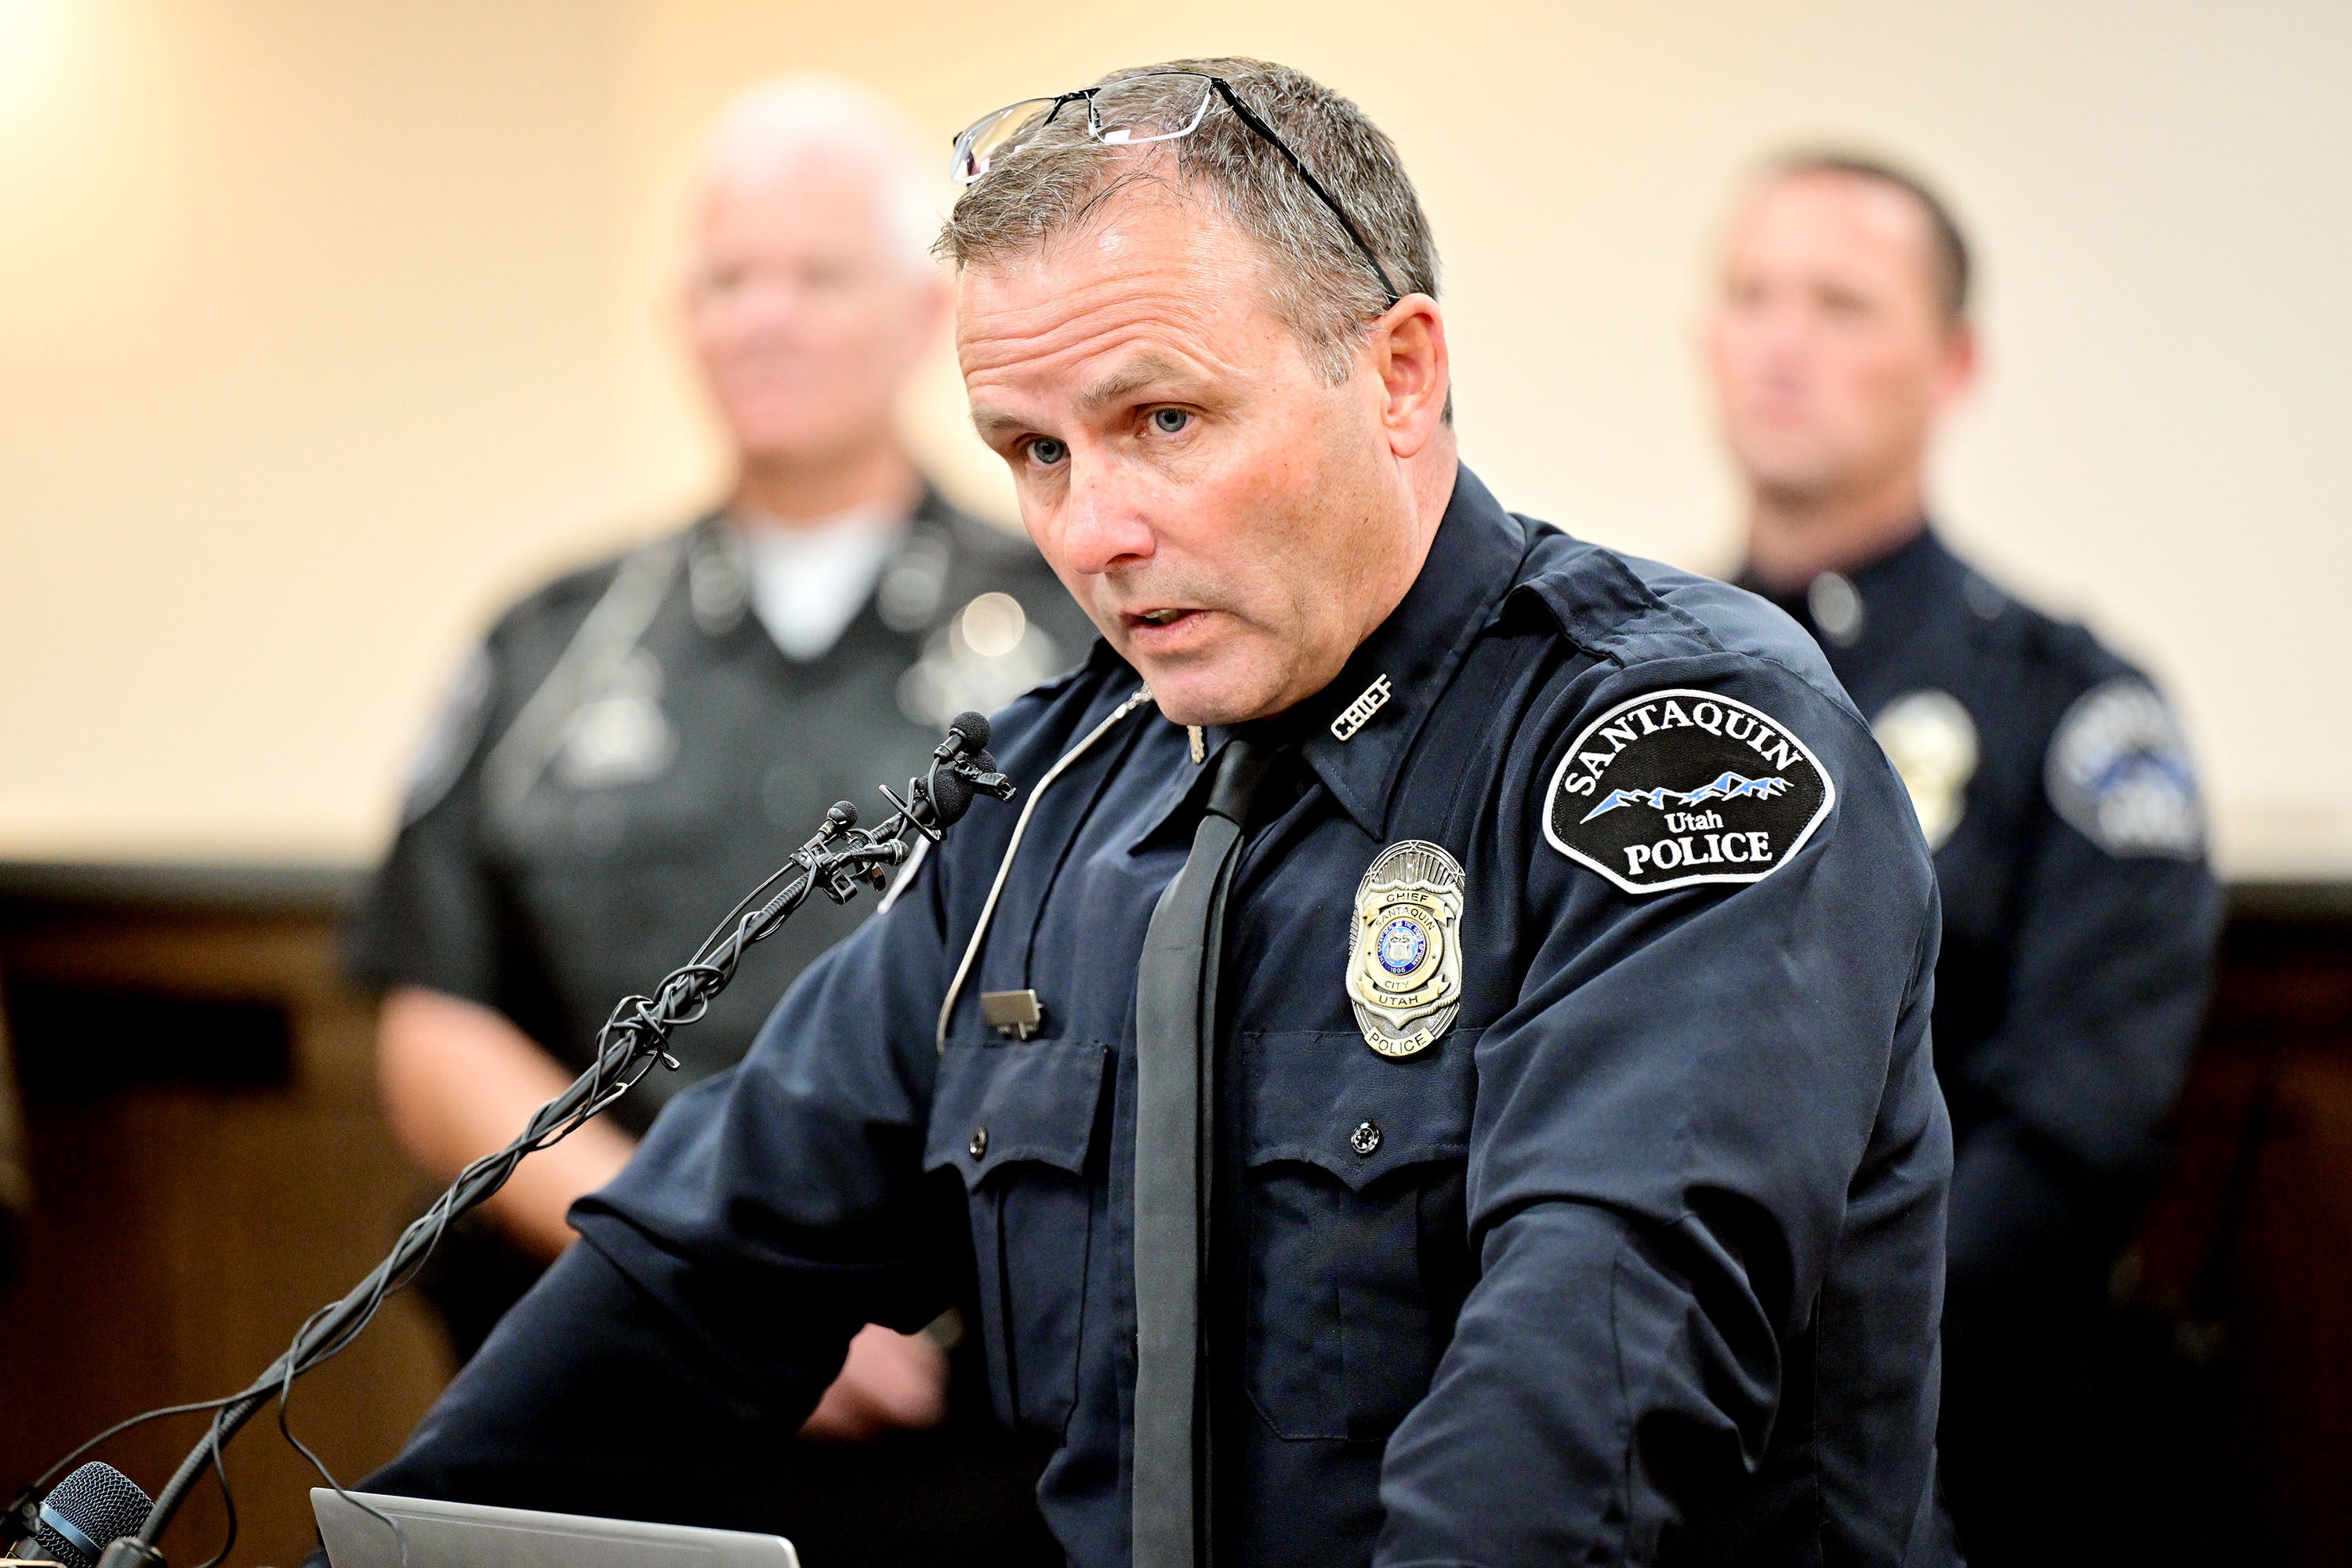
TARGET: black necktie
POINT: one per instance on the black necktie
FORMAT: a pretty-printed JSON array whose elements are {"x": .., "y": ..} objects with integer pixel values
[{"x": 1175, "y": 1025}]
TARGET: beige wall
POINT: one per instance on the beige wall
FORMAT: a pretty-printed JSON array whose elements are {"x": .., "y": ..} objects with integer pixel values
[{"x": 324, "y": 328}]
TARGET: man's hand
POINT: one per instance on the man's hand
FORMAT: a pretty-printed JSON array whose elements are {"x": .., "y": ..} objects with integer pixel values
[{"x": 891, "y": 1381}]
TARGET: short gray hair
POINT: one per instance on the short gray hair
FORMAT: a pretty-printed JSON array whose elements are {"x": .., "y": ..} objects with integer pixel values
[
  {"x": 1316, "y": 281},
  {"x": 773, "y": 122}
]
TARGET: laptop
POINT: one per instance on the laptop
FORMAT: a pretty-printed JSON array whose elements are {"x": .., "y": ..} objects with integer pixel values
[{"x": 472, "y": 1535}]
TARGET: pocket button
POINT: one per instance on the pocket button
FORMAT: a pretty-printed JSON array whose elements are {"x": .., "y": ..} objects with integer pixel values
[
  {"x": 978, "y": 1147},
  {"x": 1366, "y": 1139}
]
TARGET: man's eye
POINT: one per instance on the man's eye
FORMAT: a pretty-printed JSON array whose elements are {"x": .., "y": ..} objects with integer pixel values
[
  {"x": 1044, "y": 451},
  {"x": 1169, "y": 421}
]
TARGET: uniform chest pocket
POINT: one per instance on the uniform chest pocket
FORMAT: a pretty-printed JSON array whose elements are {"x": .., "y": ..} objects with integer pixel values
[
  {"x": 1016, "y": 1122},
  {"x": 1358, "y": 1254}
]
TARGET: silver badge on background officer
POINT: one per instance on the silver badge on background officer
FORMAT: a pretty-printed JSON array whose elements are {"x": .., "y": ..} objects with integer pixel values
[
  {"x": 639, "y": 741},
  {"x": 2051, "y": 779}
]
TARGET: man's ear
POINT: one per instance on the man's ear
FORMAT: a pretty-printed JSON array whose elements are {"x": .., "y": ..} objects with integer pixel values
[
  {"x": 935, "y": 294},
  {"x": 1963, "y": 362},
  {"x": 1407, "y": 347}
]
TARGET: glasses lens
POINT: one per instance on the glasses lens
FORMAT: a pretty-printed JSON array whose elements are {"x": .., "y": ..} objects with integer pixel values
[
  {"x": 1000, "y": 135},
  {"x": 1156, "y": 108}
]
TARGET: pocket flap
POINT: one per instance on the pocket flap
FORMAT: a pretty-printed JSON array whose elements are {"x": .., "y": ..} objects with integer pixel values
[
  {"x": 1330, "y": 1100},
  {"x": 999, "y": 1102}
]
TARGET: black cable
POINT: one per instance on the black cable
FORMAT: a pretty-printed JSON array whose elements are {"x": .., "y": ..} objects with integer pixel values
[{"x": 285, "y": 1397}]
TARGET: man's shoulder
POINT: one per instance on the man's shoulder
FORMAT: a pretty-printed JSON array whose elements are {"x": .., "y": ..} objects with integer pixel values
[
  {"x": 983, "y": 540},
  {"x": 1695, "y": 734},
  {"x": 2026, "y": 651},
  {"x": 1627, "y": 611},
  {"x": 2090, "y": 726},
  {"x": 552, "y": 612},
  {"x": 989, "y": 555}
]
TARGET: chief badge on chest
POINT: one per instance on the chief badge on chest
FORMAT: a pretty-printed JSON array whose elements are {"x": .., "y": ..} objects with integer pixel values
[{"x": 1404, "y": 966}]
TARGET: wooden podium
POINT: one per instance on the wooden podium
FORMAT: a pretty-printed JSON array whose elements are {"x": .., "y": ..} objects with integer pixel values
[{"x": 207, "y": 1166}]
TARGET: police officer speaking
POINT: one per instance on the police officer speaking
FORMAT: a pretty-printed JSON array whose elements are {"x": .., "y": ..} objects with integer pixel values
[
  {"x": 2051, "y": 779},
  {"x": 1434, "y": 1066}
]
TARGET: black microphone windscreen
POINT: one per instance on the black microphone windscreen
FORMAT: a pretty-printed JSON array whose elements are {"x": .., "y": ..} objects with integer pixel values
[
  {"x": 950, "y": 797},
  {"x": 974, "y": 728},
  {"x": 100, "y": 1502}
]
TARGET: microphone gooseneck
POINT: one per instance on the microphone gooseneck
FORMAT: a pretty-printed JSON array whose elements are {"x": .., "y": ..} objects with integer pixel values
[{"x": 839, "y": 859}]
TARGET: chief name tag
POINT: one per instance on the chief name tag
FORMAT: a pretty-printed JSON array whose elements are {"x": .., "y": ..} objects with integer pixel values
[{"x": 1404, "y": 968}]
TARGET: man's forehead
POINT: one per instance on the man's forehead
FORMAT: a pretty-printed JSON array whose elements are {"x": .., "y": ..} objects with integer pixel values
[
  {"x": 1002, "y": 316},
  {"x": 1829, "y": 212},
  {"x": 1131, "y": 243},
  {"x": 1109, "y": 312},
  {"x": 823, "y": 192}
]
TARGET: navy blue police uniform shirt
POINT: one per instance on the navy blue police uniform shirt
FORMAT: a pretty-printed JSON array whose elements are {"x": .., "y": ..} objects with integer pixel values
[
  {"x": 1639, "y": 1258},
  {"x": 630, "y": 750},
  {"x": 2057, "y": 792}
]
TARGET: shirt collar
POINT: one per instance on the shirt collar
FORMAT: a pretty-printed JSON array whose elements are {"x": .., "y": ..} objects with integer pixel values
[
  {"x": 1887, "y": 590},
  {"x": 1383, "y": 694},
  {"x": 719, "y": 570}
]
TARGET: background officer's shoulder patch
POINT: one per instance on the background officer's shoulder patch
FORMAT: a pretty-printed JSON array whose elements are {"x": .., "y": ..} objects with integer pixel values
[
  {"x": 1677, "y": 787},
  {"x": 2119, "y": 772}
]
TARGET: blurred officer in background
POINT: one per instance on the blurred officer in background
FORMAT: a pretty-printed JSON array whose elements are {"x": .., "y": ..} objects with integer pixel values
[
  {"x": 2048, "y": 774},
  {"x": 639, "y": 742}
]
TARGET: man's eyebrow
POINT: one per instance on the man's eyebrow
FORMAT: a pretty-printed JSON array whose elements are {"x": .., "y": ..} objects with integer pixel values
[
  {"x": 1146, "y": 368},
  {"x": 991, "y": 422},
  {"x": 1140, "y": 372}
]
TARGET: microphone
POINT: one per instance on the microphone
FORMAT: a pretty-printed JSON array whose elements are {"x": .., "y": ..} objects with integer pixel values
[
  {"x": 960, "y": 768},
  {"x": 966, "y": 732},
  {"x": 88, "y": 1510}
]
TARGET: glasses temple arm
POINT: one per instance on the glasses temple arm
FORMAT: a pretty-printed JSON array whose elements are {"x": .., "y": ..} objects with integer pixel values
[{"x": 1249, "y": 118}]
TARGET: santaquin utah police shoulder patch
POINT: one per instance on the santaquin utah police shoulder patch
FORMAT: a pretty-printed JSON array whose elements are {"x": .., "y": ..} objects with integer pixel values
[{"x": 1674, "y": 788}]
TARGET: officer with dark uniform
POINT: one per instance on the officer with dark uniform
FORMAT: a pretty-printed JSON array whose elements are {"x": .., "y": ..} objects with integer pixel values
[
  {"x": 641, "y": 742},
  {"x": 630, "y": 751},
  {"x": 2050, "y": 778},
  {"x": 1432, "y": 1065}
]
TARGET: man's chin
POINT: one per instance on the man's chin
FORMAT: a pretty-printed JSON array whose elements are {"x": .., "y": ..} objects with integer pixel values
[
  {"x": 1795, "y": 480},
  {"x": 1190, "y": 693}
]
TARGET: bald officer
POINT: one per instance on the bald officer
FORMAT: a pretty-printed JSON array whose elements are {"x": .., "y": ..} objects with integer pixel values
[
  {"x": 640, "y": 742},
  {"x": 1433, "y": 1068},
  {"x": 2048, "y": 774}
]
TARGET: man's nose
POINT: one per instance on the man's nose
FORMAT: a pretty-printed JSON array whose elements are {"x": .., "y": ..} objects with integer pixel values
[
  {"x": 1780, "y": 323},
  {"x": 773, "y": 305},
  {"x": 1780, "y": 343},
  {"x": 1106, "y": 523}
]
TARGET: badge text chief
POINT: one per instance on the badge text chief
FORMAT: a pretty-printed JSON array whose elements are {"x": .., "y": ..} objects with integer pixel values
[{"x": 1679, "y": 786}]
